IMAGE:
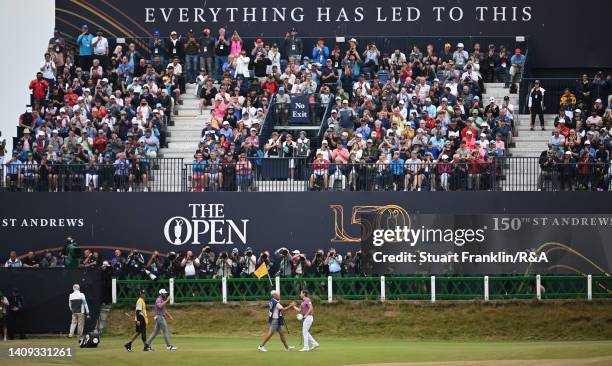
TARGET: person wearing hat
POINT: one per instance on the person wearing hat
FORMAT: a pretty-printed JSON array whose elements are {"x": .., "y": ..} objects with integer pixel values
[
  {"x": 161, "y": 313},
  {"x": 536, "y": 104},
  {"x": 84, "y": 42},
  {"x": 460, "y": 56},
  {"x": 293, "y": 46},
  {"x": 141, "y": 320}
]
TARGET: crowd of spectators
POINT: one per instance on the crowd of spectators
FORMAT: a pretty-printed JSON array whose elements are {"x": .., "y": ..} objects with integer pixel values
[
  {"x": 402, "y": 120},
  {"x": 208, "y": 263},
  {"x": 579, "y": 147}
]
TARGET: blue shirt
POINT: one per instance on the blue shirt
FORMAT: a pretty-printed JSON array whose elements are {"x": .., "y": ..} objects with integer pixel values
[
  {"x": 14, "y": 166},
  {"x": 320, "y": 56},
  {"x": 84, "y": 43},
  {"x": 333, "y": 264},
  {"x": 397, "y": 166},
  {"x": 518, "y": 59},
  {"x": 199, "y": 168}
]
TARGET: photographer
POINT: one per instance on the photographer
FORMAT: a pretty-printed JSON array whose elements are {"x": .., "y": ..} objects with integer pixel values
[
  {"x": 284, "y": 262},
  {"x": 224, "y": 265},
  {"x": 334, "y": 263},
  {"x": 171, "y": 267},
  {"x": 71, "y": 253},
  {"x": 354, "y": 264},
  {"x": 207, "y": 262},
  {"x": 236, "y": 263},
  {"x": 318, "y": 267},
  {"x": 248, "y": 262},
  {"x": 264, "y": 257},
  {"x": 135, "y": 263},
  {"x": 190, "y": 265},
  {"x": 155, "y": 264},
  {"x": 299, "y": 263}
]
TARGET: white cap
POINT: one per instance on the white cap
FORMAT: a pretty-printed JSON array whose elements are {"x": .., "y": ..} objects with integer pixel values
[
  {"x": 41, "y": 133},
  {"x": 55, "y": 131},
  {"x": 444, "y": 156},
  {"x": 568, "y": 152},
  {"x": 469, "y": 132},
  {"x": 29, "y": 110},
  {"x": 420, "y": 130},
  {"x": 105, "y": 80},
  {"x": 334, "y": 111},
  {"x": 353, "y": 40},
  {"x": 578, "y": 110},
  {"x": 218, "y": 97},
  {"x": 587, "y": 142},
  {"x": 402, "y": 101},
  {"x": 324, "y": 142},
  {"x": 112, "y": 97},
  {"x": 80, "y": 98},
  {"x": 483, "y": 135},
  {"x": 445, "y": 99},
  {"x": 163, "y": 291},
  {"x": 492, "y": 99},
  {"x": 225, "y": 123},
  {"x": 459, "y": 45}
]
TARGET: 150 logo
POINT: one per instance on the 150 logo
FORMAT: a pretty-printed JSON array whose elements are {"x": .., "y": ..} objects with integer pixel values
[{"x": 366, "y": 218}]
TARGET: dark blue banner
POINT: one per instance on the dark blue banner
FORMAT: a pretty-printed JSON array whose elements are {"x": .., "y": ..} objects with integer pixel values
[
  {"x": 299, "y": 109},
  {"x": 575, "y": 236}
]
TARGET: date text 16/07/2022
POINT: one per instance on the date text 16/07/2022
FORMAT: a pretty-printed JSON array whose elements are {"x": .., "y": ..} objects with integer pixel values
[{"x": 461, "y": 257}]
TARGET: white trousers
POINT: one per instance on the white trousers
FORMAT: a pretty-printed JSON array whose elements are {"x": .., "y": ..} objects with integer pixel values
[{"x": 306, "y": 324}]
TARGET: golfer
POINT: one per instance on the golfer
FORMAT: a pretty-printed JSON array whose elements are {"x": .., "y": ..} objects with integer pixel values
[
  {"x": 141, "y": 322},
  {"x": 160, "y": 320},
  {"x": 276, "y": 322},
  {"x": 306, "y": 312}
]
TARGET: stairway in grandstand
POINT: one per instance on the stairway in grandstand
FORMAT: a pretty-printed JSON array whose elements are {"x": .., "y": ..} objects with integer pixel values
[
  {"x": 522, "y": 171},
  {"x": 184, "y": 136},
  {"x": 183, "y": 139}
]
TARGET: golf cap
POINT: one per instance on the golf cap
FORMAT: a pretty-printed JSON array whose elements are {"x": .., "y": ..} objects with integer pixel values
[
  {"x": 163, "y": 291},
  {"x": 568, "y": 153},
  {"x": 459, "y": 45}
]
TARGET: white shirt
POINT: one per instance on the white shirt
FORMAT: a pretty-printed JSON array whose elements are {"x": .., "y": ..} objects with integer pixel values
[
  {"x": 48, "y": 69},
  {"x": 241, "y": 63},
  {"x": 101, "y": 47}
]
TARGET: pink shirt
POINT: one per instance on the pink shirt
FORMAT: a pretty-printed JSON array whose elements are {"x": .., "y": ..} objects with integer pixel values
[{"x": 305, "y": 305}]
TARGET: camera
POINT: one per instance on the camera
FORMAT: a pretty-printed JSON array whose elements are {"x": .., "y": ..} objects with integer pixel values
[
  {"x": 284, "y": 252},
  {"x": 249, "y": 253},
  {"x": 224, "y": 255}
]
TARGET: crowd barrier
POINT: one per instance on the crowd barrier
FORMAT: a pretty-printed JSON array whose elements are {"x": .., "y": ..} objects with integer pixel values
[
  {"x": 301, "y": 174},
  {"x": 418, "y": 287}
]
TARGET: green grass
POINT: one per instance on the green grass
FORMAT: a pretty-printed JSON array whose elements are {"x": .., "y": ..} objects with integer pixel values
[
  {"x": 333, "y": 351},
  {"x": 548, "y": 333},
  {"x": 465, "y": 321}
]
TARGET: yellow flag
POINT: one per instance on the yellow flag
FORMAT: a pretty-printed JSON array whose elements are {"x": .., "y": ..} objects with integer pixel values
[{"x": 261, "y": 271}]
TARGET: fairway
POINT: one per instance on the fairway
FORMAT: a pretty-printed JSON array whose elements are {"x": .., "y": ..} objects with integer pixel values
[{"x": 243, "y": 351}]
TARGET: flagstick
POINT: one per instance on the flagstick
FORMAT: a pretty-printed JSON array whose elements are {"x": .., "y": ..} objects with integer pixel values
[{"x": 270, "y": 279}]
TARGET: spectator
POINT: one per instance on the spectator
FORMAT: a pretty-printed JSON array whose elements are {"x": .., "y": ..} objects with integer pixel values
[
  {"x": 15, "y": 315},
  {"x": 13, "y": 261}
]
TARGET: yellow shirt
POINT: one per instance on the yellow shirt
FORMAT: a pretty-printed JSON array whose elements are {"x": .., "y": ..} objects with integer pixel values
[{"x": 140, "y": 305}]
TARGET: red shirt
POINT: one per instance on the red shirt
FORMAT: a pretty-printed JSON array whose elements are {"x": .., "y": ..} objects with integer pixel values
[
  {"x": 39, "y": 88},
  {"x": 271, "y": 87}
]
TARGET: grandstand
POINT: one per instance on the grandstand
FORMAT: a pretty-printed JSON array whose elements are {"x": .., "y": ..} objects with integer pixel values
[{"x": 270, "y": 149}]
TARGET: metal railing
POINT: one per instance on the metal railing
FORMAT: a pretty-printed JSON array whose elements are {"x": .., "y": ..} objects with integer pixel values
[
  {"x": 155, "y": 175},
  {"x": 412, "y": 287},
  {"x": 298, "y": 174}
]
